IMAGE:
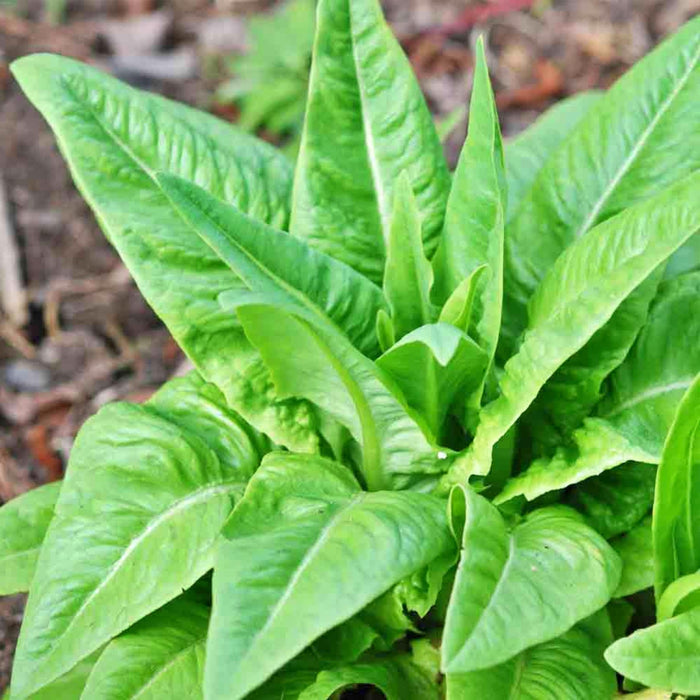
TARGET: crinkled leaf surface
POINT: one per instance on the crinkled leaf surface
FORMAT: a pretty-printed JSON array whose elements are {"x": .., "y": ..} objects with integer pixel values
[
  {"x": 23, "y": 524},
  {"x": 579, "y": 295},
  {"x": 115, "y": 139},
  {"x": 136, "y": 521},
  {"x": 319, "y": 363},
  {"x": 526, "y": 154},
  {"x": 475, "y": 215},
  {"x": 434, "y": 366},
  {"x": 664, "y": 656},
  {"x": 274, "y": 263},
  {"x": 305, "y": 550},
  {"x": 366, "y": 123},
  {"x": 541, "y": 578},
  {"x": 614, "y": 502},
  {"x": 161, "y": 656},
  {"x": 397, "y": 677},
  {"x": 641, "y": 402},
  {"x": 677, "y": 500},
  {"x": 639, "y": 138},
  {"x": 637, "y": 555},
  {"x": 570, "y": 666}
]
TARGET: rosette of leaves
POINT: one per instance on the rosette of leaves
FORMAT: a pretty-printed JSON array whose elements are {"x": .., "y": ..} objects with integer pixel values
[{"x": 442, "y": 435}]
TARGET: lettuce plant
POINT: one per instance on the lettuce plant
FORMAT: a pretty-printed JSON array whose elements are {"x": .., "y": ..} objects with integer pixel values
[{"x": 442, "y": 436}]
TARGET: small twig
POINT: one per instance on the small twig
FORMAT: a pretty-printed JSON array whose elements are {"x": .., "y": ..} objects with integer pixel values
[
  {"x": 12, "y": 293},
  {"x": 14, "y": 337},
  {"x": 62, "y": 287}
]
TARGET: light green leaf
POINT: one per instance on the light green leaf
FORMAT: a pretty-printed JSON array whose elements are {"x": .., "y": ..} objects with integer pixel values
[
  {"x": 305, "y": 550},
  {"x": 434, "y": 366},
  {"x": 385, "y": 330},
  {"x": 676, "y": 505},
  {"x": 614, "y": 502},
  {"x": 136, "y": 522},
  {"x": 397, "y": 677},
  {"x": 23, "y": 524},
  {"x": 115, "y": 139},
  {"x": 541, "y": 578},
  {"x": 271, "y": 262},
  {"x": 457, "y": 310},
  {"x": 474, "y": 219},
  {"x": 366, "y": 122},
  {"x": 320, "y": 364},
  {"x": 641, "y": 401},
  {"x": 639, "y": 138},
  {"x": 526, "y": 154},
  {"x": 70, "y": 685},
  {"x": 161, "y": 656},
  {"x": 570, "y": 666},
  {"x": 664, "y": 656},
  {"x": 679, "y": 597},
  {"x": 637, "y": 555},
  {"x": 408, "y": 276},
  {"x": 597, "y": 446},
  {"x": 579, "y": 295}
]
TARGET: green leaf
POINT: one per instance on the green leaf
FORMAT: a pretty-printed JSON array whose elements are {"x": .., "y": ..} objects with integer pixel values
[
  {"x": 637, "y": 555},
  {"x": 434, "y": 366},
  {"x": 664, "y": 656},
  {"x": 641, "y": 402},
  {"x": 474, "y": 219},
  {"x": 271, "y": 262},
  {"x": 318, "y": 363},
  {"x": 677, "y": 501},
  {"x": 397, "y": 677},
  {"x": 23, "y": 524},
  {"x": 457, "y": 310},
  {"x": 304, "y": 550},
  {"x": 579, "y": 295},
  {"x": 639, "y": 138},
  {"x": 115, "y": 139},
  {"x": 614, "y": 502},
  {"x": 70, "y": 685},
  {"x": 680, "y": 596},
  {"x": 160, "y": 656},
  {"x": 409, "y": 275},
  {"x": 541, "y": 578},
  {"x": 136, "y": 522},
  {"x": 527, "y": 153},
  {"x": 576, "y": 387},
  {"x": 570, "y": 666},
  {"x": 366, "y": 122}
]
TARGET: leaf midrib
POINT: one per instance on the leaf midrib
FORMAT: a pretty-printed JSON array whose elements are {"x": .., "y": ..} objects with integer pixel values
[
  {"x": 647, "y": 394},
  {"x": 193, "y": 498},
  {"x": 308, "y": 558},
  {"x": 641, "y": 142}
]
